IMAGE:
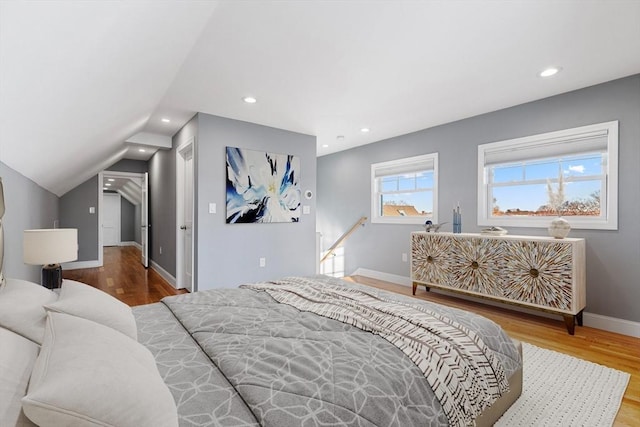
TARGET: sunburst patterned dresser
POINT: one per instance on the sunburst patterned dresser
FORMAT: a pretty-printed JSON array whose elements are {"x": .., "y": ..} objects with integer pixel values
[{"x": 536, "y": 272}]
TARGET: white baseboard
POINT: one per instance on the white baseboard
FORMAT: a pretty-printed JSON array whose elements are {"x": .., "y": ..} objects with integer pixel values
[
  {"x": 612, "y": 324},
  {"x": 162, "y": 272},
  {"x": 606, "y": 323},
  {"x": 136, "y": 244},
  {"x": 76, "y": 265}
]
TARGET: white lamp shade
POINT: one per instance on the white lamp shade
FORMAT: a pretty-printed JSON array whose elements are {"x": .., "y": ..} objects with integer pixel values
[{"x": 50, "y": 246}]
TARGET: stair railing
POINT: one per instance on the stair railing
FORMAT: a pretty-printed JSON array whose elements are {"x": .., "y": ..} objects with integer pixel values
[{"x": 342, "y": 238}]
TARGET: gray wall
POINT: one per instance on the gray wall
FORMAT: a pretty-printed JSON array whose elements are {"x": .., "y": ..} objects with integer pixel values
[
  {"x": 74, "y": 209},
  {"x": 28, "y": 206},
  {"x": 128, "y": 165},
  {"x": 613, "y": 257},
  {"x": 137, "y": 224},
  {"x": 227, "y": 255},
  {"x": 127, "y": 221},
  {"x": 162, "y": 203},
  {"x": 74, "y": 213}
]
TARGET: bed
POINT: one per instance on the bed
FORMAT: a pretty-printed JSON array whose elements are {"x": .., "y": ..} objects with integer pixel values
[{"x": 289, "y": 352}]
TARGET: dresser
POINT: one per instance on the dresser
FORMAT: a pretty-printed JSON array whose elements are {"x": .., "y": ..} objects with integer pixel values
[{"x": 536, "y": 272}]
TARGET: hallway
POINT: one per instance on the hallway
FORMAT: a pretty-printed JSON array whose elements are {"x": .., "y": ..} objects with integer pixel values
[{"x": 124, "y": 277}]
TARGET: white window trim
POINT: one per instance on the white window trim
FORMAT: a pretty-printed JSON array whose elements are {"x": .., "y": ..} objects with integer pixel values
[
  {"x": 608, "y": 223},
  {"x": 375, "y": 203}
]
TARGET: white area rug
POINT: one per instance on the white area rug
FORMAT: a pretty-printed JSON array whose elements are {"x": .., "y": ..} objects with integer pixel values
[{"x": 560, "y": 390}]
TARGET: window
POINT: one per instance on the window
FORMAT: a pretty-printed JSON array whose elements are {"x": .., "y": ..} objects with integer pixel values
[
  {"x": 405, "y": 191},
  {"x": 524, "y": 182}
]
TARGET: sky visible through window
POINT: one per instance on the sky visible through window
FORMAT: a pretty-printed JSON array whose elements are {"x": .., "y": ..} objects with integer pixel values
[
  {"x": 409, "y": 189},
  {"x": 524, "y": 186},
  {"x": 516, "y": 186}
]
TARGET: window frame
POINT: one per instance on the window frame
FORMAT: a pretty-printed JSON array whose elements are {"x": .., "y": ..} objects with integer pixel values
[
  {"x": 409, "y": 163},
  {"x": 608, "y": 221}
]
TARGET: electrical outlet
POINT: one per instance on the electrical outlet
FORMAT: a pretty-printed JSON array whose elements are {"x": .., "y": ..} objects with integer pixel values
[
  {"x": 263, "y": 262},
  {"x": 212, "y": 208},
  {"x": 404, "y": 257}
]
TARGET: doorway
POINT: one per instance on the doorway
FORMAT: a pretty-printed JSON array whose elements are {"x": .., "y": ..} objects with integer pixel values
[
  {"x": 130, "y": 189},
  {"x": 185, "y": 217}
]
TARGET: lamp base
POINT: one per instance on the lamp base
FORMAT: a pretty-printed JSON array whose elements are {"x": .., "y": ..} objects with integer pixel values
[{"x": 52, "y": 276}]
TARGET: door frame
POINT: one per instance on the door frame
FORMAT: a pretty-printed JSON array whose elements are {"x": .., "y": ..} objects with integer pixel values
[
  {"x": 182, "y": 148},
  {"x": 101, "y": 177}
]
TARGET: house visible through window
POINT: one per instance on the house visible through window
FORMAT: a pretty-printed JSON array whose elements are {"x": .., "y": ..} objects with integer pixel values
[
  {"x": 404, "y": 191},
  {"x": 571, "y": 173}
]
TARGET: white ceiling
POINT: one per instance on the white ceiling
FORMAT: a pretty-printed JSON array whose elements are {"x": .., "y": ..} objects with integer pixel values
[{"x": 77, "y": 79}]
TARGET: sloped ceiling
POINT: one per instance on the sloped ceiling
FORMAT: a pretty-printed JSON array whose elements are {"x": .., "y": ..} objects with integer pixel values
[{"x": 77, "y": 79}]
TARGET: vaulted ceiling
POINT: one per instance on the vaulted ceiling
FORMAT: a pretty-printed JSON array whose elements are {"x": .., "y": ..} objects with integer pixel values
[{"x": 79, "y": 79}]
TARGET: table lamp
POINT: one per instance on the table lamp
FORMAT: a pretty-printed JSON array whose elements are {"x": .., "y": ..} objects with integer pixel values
[{"x": 49, "y": 248}]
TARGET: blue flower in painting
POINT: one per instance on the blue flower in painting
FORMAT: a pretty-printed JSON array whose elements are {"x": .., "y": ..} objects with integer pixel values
[{"x": 262, "y": 187}]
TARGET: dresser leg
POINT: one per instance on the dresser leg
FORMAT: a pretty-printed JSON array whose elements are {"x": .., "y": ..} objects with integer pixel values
[
  {"x": 415, "y": 286},
  {"x": 570, "y": 323},
  {"x": 579, "y": 318}
]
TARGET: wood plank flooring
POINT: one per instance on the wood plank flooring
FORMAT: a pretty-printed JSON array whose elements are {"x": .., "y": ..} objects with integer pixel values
[
  {"x": 123, "y": 276},
  {"x": 126, "y": 279}
]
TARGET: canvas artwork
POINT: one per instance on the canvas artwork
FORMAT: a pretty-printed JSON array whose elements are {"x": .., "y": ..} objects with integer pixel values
[{"x": 262, "y": 187}]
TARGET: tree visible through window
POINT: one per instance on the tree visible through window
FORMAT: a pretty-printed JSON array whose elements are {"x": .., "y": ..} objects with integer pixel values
[{"x": 532, "y": 188}]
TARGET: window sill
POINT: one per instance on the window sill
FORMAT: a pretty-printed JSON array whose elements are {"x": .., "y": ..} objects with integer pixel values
[{"x": 576, "y": 223}]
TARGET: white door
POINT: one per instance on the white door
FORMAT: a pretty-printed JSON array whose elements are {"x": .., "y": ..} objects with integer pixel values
[
  {"x": 110, "y": 219},
  {"x": 144, "y": 221},
  {"x": 185, "y": 193}
]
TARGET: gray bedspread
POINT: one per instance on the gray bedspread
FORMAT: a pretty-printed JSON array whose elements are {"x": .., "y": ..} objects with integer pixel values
[{"x": 236, "y": 357}]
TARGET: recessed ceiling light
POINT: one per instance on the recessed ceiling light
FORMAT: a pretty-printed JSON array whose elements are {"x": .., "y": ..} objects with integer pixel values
[
  {"x": 365, "y": 130},
  {"x": 165, "y": 120},
  {"x": 551, "y": 71},
  {"x": 111, "y": 179},
  {"x": 249, "y": 100},
  {"x": 325, "y": 145},
  {"x": 340, "y": 137},
  {"x": 142, "y": 150},
  {"x": 108, "y": 185}
]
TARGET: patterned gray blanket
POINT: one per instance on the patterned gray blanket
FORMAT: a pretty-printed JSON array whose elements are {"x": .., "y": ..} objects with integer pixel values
[
  {"x": 462, "y": 371},
  {"x": 237, "y": 357}
]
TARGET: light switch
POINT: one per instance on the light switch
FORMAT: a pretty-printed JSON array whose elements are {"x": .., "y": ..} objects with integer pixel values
[
  {"x": 212, "y": 208},
  {"x": 306, "y": 209},
  {"x": 92, "y": 210}
]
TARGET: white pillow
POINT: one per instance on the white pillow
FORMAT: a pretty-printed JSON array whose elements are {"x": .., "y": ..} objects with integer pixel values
[
  {"x": 82, "y": 300},
  {"x": 88, "y": 374},
  {"x": 22, "y": 308},
  {"x": 17, "y": 357}
]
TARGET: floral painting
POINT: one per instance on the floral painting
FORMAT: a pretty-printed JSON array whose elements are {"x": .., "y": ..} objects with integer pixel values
[{"x": 262, "y": 187}]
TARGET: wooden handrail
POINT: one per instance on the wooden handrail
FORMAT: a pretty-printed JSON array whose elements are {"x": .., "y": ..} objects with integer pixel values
[{"x": 342, "y": 238}]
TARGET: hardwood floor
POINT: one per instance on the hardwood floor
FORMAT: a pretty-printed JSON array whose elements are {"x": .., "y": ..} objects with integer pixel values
[
  {"x": 606, "y": 348},
  {"x": 124, "y": 277}
]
